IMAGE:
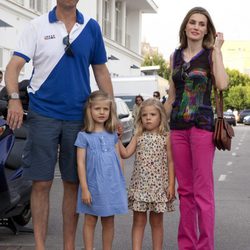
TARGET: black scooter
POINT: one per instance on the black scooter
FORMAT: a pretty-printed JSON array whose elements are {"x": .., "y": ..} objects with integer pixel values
[{"x": 15, "y": 192}]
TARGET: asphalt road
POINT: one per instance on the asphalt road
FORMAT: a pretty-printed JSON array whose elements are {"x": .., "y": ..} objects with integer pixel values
[{"x": 232, "y": 189}]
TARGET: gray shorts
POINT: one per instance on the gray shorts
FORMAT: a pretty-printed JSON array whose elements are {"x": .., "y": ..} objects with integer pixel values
[{"x": 50, "y": 140}]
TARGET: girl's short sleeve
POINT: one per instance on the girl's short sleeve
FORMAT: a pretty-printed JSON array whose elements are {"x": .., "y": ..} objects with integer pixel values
[{"x": 81, "y": 140}]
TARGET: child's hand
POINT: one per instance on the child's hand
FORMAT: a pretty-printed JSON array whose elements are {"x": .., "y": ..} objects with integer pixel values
[
  {"x": 119, "y": 130},
  {"x": 171, "y": 193},
  {"x": 86, "y": 197}
]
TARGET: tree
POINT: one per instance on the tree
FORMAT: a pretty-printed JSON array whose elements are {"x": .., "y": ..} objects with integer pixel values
[
  {"x": 236, "y": 78},
  {"x": 238, "y": 97},
  {"x": 157, "y": 59}
]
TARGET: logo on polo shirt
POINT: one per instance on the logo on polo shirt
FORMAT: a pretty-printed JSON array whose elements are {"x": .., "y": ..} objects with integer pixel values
[{"x": 49, "y": 37}]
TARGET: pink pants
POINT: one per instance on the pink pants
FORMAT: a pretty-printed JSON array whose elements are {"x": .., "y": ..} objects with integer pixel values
[{"x": 193, "y": 154}]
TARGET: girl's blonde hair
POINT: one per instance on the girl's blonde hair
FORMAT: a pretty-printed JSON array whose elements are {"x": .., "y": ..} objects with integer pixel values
[
  {"x": 209, "y": 38},
  {"x": 163, "y": 127},
  {"x": 111, "y": 123}
]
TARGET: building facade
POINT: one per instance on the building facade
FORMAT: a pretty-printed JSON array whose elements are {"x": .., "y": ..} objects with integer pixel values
[
  {"x": 147, "y": 49},
  {"x": 236, "y": 55},
  {"x": 120, "y": 22}
]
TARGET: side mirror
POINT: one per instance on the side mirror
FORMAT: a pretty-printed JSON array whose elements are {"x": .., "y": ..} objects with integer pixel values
[{"x": 120, "y": 116}]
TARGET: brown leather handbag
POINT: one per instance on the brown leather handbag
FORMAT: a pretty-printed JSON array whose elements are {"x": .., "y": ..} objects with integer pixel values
[{"x": 223, "y": 130}]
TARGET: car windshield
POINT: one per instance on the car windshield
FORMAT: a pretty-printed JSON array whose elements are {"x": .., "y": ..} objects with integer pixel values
[
  {"x": 130, "y": 101},
  {"x": 246, "y": 111}
]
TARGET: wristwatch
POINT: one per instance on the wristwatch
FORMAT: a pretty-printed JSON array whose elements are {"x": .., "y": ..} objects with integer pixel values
[{"x": 14, "y": 96}]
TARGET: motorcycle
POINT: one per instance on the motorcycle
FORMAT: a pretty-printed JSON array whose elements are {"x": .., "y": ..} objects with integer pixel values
[{"x": 15, "y": 191}]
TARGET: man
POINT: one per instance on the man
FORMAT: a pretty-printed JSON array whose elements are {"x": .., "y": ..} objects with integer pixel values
[
  {"x": 165, "y": 97},
  {"x": 62, "y": 45},
  {"x": 157, "y": 95}
]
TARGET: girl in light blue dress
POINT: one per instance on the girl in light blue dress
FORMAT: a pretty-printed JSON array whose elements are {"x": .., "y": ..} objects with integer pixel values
[{"x": 102, "y": 189}]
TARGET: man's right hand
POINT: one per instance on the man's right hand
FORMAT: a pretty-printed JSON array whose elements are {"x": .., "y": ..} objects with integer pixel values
[{"x": 15, "y": 114}]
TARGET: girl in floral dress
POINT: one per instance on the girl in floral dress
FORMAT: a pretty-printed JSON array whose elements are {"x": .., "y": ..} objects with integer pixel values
[{"x": 152, "y": 186}]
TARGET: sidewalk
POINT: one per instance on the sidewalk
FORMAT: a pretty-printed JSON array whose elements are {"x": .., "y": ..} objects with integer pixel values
[{"x": 32, "y": 247}]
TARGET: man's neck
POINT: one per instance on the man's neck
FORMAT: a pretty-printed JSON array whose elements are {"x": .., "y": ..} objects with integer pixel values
[{"x": 67, "y": 16}]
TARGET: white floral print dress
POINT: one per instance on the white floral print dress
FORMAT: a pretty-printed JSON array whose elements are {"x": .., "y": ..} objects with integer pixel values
[{"x": 149, "y": 181}]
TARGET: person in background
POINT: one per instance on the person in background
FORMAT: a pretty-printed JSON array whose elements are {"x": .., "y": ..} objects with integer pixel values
[
  {"x": 236, "y": 114},
  {"x": 193, "y": 65},
  {"x": 157, "y": 95},
  {"x": 138, "y": 100},
  {"x": 62, "y": 44},
  {"x": 102, "y": 192},
  {"x": 165, "y": 97},
  {"x": 152, "y": 186}
]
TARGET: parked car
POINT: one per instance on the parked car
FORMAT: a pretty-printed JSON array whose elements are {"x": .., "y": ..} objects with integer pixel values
[
  {"x": 126, "y": 119},
  {"x": 246, "y": 120},
  {"x": 230, "y": 118},
  {"x": 242, "y": 114}
]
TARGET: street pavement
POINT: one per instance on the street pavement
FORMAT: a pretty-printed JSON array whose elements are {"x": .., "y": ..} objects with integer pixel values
[{"x": 232, "y": 190}]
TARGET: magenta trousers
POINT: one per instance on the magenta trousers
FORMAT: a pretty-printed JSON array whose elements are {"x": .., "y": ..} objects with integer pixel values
[{"x": 193, "y": 153}]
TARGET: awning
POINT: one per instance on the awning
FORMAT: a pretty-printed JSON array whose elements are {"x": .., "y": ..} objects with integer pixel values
[{"x": 4, "y": 24}]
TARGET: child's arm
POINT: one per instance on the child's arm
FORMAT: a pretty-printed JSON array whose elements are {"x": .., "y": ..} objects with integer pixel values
[
  {"x": 171, "y": 174},
  {"x": 129, "y": 150},
  {"x": 118, "y": 153},
  {"x": 81, "y": 167}
]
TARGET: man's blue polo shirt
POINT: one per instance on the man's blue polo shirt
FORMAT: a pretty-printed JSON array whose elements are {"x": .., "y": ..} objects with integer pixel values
[{"x": 60, "y": 84}]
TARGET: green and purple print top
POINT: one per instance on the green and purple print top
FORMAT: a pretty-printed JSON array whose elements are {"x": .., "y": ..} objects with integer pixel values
[{"x": 193, "y": 85}]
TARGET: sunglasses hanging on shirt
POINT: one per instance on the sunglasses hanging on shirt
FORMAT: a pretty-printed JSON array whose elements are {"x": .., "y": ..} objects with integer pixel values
[
  {"x": 184, "y": 68},
  {"x": 68, "y": 48}
]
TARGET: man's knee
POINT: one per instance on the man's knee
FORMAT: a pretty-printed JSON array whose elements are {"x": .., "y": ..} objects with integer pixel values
[{"x": 41, "y": 186}]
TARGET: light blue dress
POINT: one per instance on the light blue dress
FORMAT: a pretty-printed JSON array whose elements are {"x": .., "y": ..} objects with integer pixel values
[{"x": 105, "y": 179}]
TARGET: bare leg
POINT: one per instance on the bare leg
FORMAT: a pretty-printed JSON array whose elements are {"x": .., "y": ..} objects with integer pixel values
[
  {"x": 139, "y": 223},
  {"x": 107, "y": 232},
  {"x": 88, "y": 231},
  {"x": 40, "y": 211},
  {"x": 156, "y": 222},
  {"x": 70, "y": 217}
]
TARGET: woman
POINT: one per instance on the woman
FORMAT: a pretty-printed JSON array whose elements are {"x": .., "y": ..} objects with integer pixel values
[
  {"x": 192, "y": 123},
  {"x": 138, "y": 100}
]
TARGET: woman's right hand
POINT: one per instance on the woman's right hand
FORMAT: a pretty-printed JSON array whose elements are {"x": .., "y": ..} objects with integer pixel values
[{"x": 86, "y": 197}]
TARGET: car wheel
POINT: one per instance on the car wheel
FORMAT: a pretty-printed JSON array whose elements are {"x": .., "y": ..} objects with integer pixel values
[{"x": 23, "y": 218}]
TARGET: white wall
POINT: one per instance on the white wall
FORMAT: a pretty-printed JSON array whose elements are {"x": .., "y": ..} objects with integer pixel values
[
  {"x": 10, "y": 35},
  {"x": 134, "y": 29},
  {"x": 145, "y": 85},
  {"x": 88, "y": 7}
]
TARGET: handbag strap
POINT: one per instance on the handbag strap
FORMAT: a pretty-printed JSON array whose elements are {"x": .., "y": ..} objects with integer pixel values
[
  {"x": 218, "y": 98},
  {"x": 219, "y": 102}
]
